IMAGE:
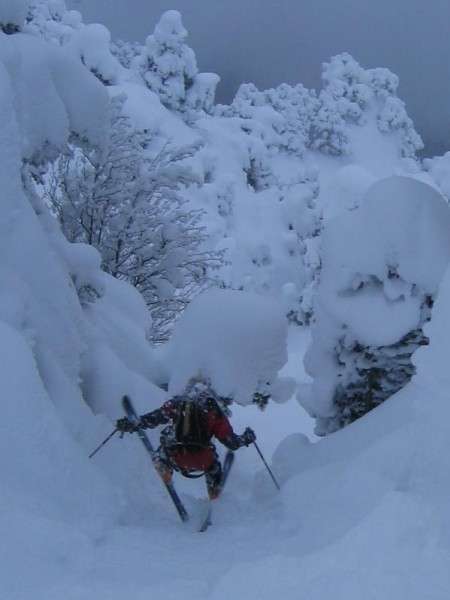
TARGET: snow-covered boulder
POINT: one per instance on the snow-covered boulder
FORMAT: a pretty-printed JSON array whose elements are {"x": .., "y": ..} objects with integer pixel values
[{"x": 382, "y": 265}]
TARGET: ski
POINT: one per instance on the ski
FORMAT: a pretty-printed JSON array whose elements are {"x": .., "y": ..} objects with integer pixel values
[
  {"x": 207, "y": 521},
  {"x": 132, "y": 415}
]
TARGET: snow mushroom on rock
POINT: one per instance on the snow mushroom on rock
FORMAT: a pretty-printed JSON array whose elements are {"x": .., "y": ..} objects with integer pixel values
[
  {"x": 382, "y": 265},
  {"x": 237, "y": 340}
]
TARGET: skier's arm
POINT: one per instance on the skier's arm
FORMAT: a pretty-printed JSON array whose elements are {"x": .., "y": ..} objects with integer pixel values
[
  {"x": 160, "y": 416},
  {"x": 153, "y": 419},
  {"x": 225, "y": 434},
  {"x": 234, "y": 441}
]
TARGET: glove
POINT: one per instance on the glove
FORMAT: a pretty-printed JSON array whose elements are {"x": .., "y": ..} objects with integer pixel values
[
  {"x": 248, "y": 437},
  {"x": 125, "y": 425}
]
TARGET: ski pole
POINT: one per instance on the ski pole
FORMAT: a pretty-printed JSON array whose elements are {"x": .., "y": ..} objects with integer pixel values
[
  {"x": 266, "y": 465},
  {"x": 103, "y": 443}
]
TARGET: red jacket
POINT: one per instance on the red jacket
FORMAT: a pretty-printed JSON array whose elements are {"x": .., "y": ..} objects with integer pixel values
[{"x": 201, "y": 458}]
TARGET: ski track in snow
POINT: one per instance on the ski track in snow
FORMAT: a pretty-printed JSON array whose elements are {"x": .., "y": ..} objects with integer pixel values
[
  {"x": 151, "y": 553},
  {"x": 168, "y": 559}
]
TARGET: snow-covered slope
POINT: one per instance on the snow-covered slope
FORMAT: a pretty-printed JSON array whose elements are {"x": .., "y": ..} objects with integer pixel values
[{"x": 361, "y": 514}]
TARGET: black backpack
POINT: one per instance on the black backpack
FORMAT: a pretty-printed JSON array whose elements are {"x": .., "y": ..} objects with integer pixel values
[{"x": 190, "y": 424}]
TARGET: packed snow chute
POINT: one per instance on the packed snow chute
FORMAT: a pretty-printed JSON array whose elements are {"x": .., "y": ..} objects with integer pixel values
[{"x": 191, "y": 421}]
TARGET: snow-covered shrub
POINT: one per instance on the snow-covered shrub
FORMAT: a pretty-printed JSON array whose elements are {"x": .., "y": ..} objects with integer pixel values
[
  {"x": 303, "y": 228},
  {"x": 295, "y": 119},
  {"x": 280, "y": 116},
  {"x": 438, "y": 169},
  {"x": 201, "y": 94},
  {"x": 13, "y": 14},
  {"x": 51, "y": 20},
  {"x": 125, "y": 52},
  {"x": 392, "y": 116},
  {"x": 127, "y": 203},
  {"x": 92, "y": 44},
  {"x": 168, "y": 67},
  {"x": 262, "y": 204},
  {"x": 382, "y": 265},
  {"x": 359, "y": 95},
  {"x": 296, "y": 105},
  {"x": 329, "y": 132},
  {"x": 347, "y": 83},
  {"x": 278, "y": 258}
]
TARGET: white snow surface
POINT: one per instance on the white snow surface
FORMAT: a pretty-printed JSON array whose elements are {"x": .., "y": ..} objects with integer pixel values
[
  {"x": 235, "y": 339},
  {"x": 362, "y": 513}
]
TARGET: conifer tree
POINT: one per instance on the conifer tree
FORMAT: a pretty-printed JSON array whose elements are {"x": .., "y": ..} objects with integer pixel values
[
  {"x": 356, "y": 95},
  {"x": 168, "y": 67}
]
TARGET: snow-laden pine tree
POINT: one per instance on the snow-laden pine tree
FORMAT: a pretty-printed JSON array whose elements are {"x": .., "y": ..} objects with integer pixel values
[
  {"x": 281, "y": 116},
  {"x": 127, "y": 203},
  {"x": 371, "y": 373},
  {"x": 382, "y": 265},
  {"x": 125, "y": 52},
  {"x": 328, "y": 132},
  {"x": 296, "y": 104},
  {"x": 354, "y": 95},
  {"x": 168, "y": 67},
  {"x": 51, "y": 20}
]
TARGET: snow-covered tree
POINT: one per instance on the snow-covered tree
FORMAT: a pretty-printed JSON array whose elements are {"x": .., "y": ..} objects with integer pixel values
[
  {"x": 359, "y": 95},
  {"x": 328, "y": 132},
  {"x": 438, "y": 169},
  {"x": 296, "y": 104},
  {"x": 392, "y": 115},
  {"x": 281, "y": 116},
  {"x": 92, "y": 44},
  {"x": 125, "y": 52},
  {"x": 128, "y": 204},
  {"x": 13, "y": 14},
  {"x": 266, "y": 195},
  {"x": 347, "y": 83},
  {"x": 382, "y": 265},
  {"x": 370, "y": 373},
  {"x": 51, "y": 20},
  {"x": 168, "y": 67}
]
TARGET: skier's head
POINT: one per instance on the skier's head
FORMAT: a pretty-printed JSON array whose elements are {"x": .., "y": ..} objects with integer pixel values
[{"x": 199, "y": 387}]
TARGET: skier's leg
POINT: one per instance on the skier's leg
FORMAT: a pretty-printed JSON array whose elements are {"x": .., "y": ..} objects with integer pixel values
[
  {"x": 213, "y": 478},
  {"x": 162, "y": 464}
]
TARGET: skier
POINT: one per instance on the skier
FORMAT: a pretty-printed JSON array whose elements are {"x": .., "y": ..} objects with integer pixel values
[{"x": 185, "y": 444}]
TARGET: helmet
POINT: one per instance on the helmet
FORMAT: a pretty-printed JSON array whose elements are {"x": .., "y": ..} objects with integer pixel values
[{"x": 199, "y": 387}]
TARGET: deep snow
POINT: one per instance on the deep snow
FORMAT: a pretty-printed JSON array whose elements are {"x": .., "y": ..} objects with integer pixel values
[{"x": 362, "y": 513}]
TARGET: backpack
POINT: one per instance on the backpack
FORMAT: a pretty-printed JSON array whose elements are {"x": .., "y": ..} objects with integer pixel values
[{"x": 190, "y": 424}]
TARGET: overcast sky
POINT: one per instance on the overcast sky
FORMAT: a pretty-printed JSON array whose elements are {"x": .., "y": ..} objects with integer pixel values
[{"x": 268, "y": 42}]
